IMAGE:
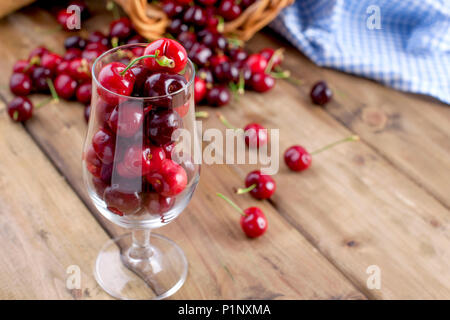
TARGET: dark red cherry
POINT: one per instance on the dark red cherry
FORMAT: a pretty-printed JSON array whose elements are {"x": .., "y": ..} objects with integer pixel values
[
  {"x": 171, "y": 8},
  {"x": 141, "y": 74},
  {"x": 297, "y": 158},
  {"x": 187, "y": 39},
  {"x": 218, "y": 59},
  {"x": 164, "y": 84},
  {"x": 183, "y": 2},
  {"x": 72, "y": 54},
  {"x": 254, "y": 222},
  {"x": 207, "y": 3},
  {"x": 200, "y": 54},
  {"x": 212, "y": 20},
  {"x": 262, "y": 82},
  {"x": 93, "y": 163},
  {"x": 263, "y": 185},
  {"x": 195, "y": 15},
  {"x": 103, "y": 111},
  {"x": 65, "y": 86},
  {"x": 120, "y": 28},
  {"x": 110, "y": 78},
  {"x": 158, "y": 204},
  {"x": 66, "y": 19},
  {"x": 267, "y": 53},
  {"x": 257, "y": 63},
  {"x": 104, "y": 145},
  {"x": 63, "y": 68},
  {"x": 227, "y": 72},
  {"x": 84, "y": 92},
  {"x": 138, "y": 160},
  {"x": 169, "y": 180},
  {"x": 87, "y": 112},
  {"x": 120, "y": 202},
  {"x": 138, "y": 50},
  {"x": 126, "y": 119},
  {"x": 93, "y": 51},
  {"x": 170, "y": 49},
  {"x": 79, "y": 69},
  {"x": 320, "y": 93},
  {"x": 98, "y": 37},
  {"x": 20, "y": 109},
  {"x": 50, "y": 61},
  {"x": 74, "y": 42},
  {"x": 199, "y": 89},
  {"x": 206, "y": 74},
  {"x": 218, "y": 96},
  {"x": 177, "y": 26},
  {"x": 161, "y": 125},
  {"x": 21, "y": 66},
  {"x": 229, "y": 10},
  {"x": 238, "y": 55},
  {"x": 247, "y": 3},
  {"x": 213, "y": 40},
  {"x": 255, "y": 135},
  {"x": 20, "y": 84},
  {"x": 84, "y": 10},
  {"x": 39, "y": 77},
  {"x": 37, "y": 52}
]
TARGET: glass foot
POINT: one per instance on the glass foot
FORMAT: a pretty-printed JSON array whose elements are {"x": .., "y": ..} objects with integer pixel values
[{"x": 157, "y": 276}]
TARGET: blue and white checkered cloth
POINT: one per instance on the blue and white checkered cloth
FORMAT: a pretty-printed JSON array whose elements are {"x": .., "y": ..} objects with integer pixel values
[{"x": 404, "y": 44}]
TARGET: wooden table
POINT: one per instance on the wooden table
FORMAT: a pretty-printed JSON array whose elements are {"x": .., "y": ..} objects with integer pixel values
[{"x": 383, "y": 201}]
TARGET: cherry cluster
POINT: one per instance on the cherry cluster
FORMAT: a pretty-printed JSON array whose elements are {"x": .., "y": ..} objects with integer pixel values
[
  {"x": 145, "y": 175},
  {"x": 222, "y": 64}
]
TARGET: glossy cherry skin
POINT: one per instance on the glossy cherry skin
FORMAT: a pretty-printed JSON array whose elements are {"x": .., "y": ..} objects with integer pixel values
[
  {"x": 213, "y": 39},
  {"x": 103, "y": 111},
  {"x": 267, "y": 53},
  {"x": 74, "y": 42},
  {"x": 110, "y": 78},
  {"x": 50, "y": 61},
  {"x": 39, "y": 76},
  {"x": 37, "y": 52},
  {"x": 79, "y": 69},
  {"x": 261, "y": 82},
  {"x": 218, "y": 96},
  {"x": 126, "y": 119},
  {"x": 256, "y": 62},
  {"x": 238, "y": 55},
  {"x": 158, "y": 204},
  {"x": 93, "y": 163},
  {"x": 297, "y": 158},
  {"x": 170, "y": 49},
  {"x": 84, "y": 92},
  {"x": 141, "y": 74},
  {"x": 171, "y": 8},
  {"x": 20, "y": 109},
  {"x": 65, "y": 86},
  {"x": 187, "y": 39},
  {"x": 139, "y": 161},
  {"x": 254, "y": 223},
  {"x": 21, "y": 66},
  {"x": 265, "y": 185},
  {"x": 199, "y": 89},
  {"x": 218, "y": 59},
  {"x": 169, "y": 180},
  {"x": 71, "y": 54},
  {"x": 98, "y": 37},
  {"x": 255, "y": 135},
  {"x": 229, "y": 10},
  {"x": 87, "y": 112},
  {"x": 206, "y": 74},
  {"x": 93, "y": 51},
  {"x": 320, "y": 93},
  {"x": 120, "y": 28},
  {"x": 200, "y": 54},
  {"x": 120, "y": 202},
  {"x": 137, "y": 51},
  {"x": 20, "y": 84},
  {"x": 164, "y": 84},
  {"x": 177, "y": 26},
  {"x": 227, "y": 72},
  {"x": 104, "y": 145},
  {"x": 195, "y": 15},
  {"x": 161, "y": 125}
]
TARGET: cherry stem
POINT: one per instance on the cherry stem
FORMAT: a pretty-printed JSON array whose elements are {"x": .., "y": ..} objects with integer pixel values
[
  {"x": 114, "y": 42},
  {"x": 328, "y": 146},
  {"x": 16, "y": 115},
  {"x": 234, "y": 205},
  {"x": 285, "y": 74},
  {"x": 241, "y": 83},
  {"x": 276, "y": 54},
  {"x": 202, "y": 114},
  {"x": 221, "y": 24},
  {"x": 43, "y": 102},
  {"x": 52, "y": 89},
  {"x": 111, "y": 6},
  {"x": 245, "y": 190},
  {"x": 34, "y": 61},
  {"x": 163, "y": 61},
  {"x": 225, "y": 122}
]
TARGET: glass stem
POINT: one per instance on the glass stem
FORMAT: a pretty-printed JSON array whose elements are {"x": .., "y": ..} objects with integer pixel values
[{"x": 140, "y": 249}]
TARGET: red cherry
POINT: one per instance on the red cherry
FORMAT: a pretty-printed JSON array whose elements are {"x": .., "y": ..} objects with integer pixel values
[
  {"x": 260, "y": 186},
  {"x": 99, "y": 186},
  {"x": 84, "y": 92},
  {"x": 20, "y": 84},
  {"x": 254, "y": 223},
  {"x": 87, "y": 113},
  {"x": 172, "y": 8},
  {"x": 320, "y": 93},
  {"x": 63, "y": 68},
  {"x": 104, "y": 145},
  {"x": 183, "y": 2},
  {"x": 139, "y": 161},
  {"x": 120, "y": 202},
  {"x": 120, "y": 28},
  {"x": 20, "y": 109},
  {"x": 297, "y": 158},
  {"x": 229, "y": 10},
  {"x": 256, "y": 63},
  {"x": 65, "y": 19},
  {"x": 37, "y": 52},
  {"x": 218, "y": 96},
  {"x": 39, "y": 76},
  {"x": 199, "y": 89},
  {"x": 74, "y": 42},
  {"x": 126, "y": 119},
  {"x": 93, "y": 51},
  {"x": 169, "y": 180},
  {"x": 71, "y": 54},
  {"x": 97, "y": 37},
  {"x": 158, "y": 204},
  {"x": 268, "y": 53},
  {"x": 195, "y": 15},
  {"x": 218, "y": 59},
  {"x": 238, "y": 55},
  {"x": 50, "y": 61},
  {"x": 255, "y": 135},
  {"x": 168, "y": 149},
  {"x": 141, "y": 74},
  {"x": 137, "y": 51},
  {"x": 110, "y": 78},
  {"x": 103, "y": 111},
  {"x": 79, "y": 69},
  {"x": 65, "y": 86},
  {"x": 261, "y": 82},
  {"x": 21, "y": 66},
  {"x": 93, "y": 163},
  {"x": 166, "y": 48}
]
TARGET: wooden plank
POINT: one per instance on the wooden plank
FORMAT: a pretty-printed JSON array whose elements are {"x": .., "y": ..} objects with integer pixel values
[
  {"x": 411, "y": 131},
  {"x": 280, "y": 265},
  {"x": 41, "y": 225}
]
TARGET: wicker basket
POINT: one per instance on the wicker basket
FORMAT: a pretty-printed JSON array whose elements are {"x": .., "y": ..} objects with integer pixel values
[{"x": 151, "y": 22}]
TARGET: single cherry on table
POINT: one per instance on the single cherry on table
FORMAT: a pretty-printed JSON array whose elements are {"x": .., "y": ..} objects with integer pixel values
[
  {"x": 255, "y": 134},
  {"x": 260, "y": 186},
  {"x": 321, "y": 94}
]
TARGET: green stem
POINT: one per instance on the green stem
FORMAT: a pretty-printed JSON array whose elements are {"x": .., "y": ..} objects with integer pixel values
[
  {"x": 163, "y": 61},
  {"x": 43, "y": 102},
  {"x": 225, "y": 122},
  {"x": 276, "y": 54},
  {"x": 328, "y": 146},
  {"x": 241, "y": 84},
  {"x": 114, "y": 42},
  {"x": 52, "y": 89},
  {"x": 16, "y": 115},
  {"x": 201, "y": 114},
  {"x": 234, "y": 205},
  {"x": 245, "y": 190},
  {"x": 285, "y": 74}
]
